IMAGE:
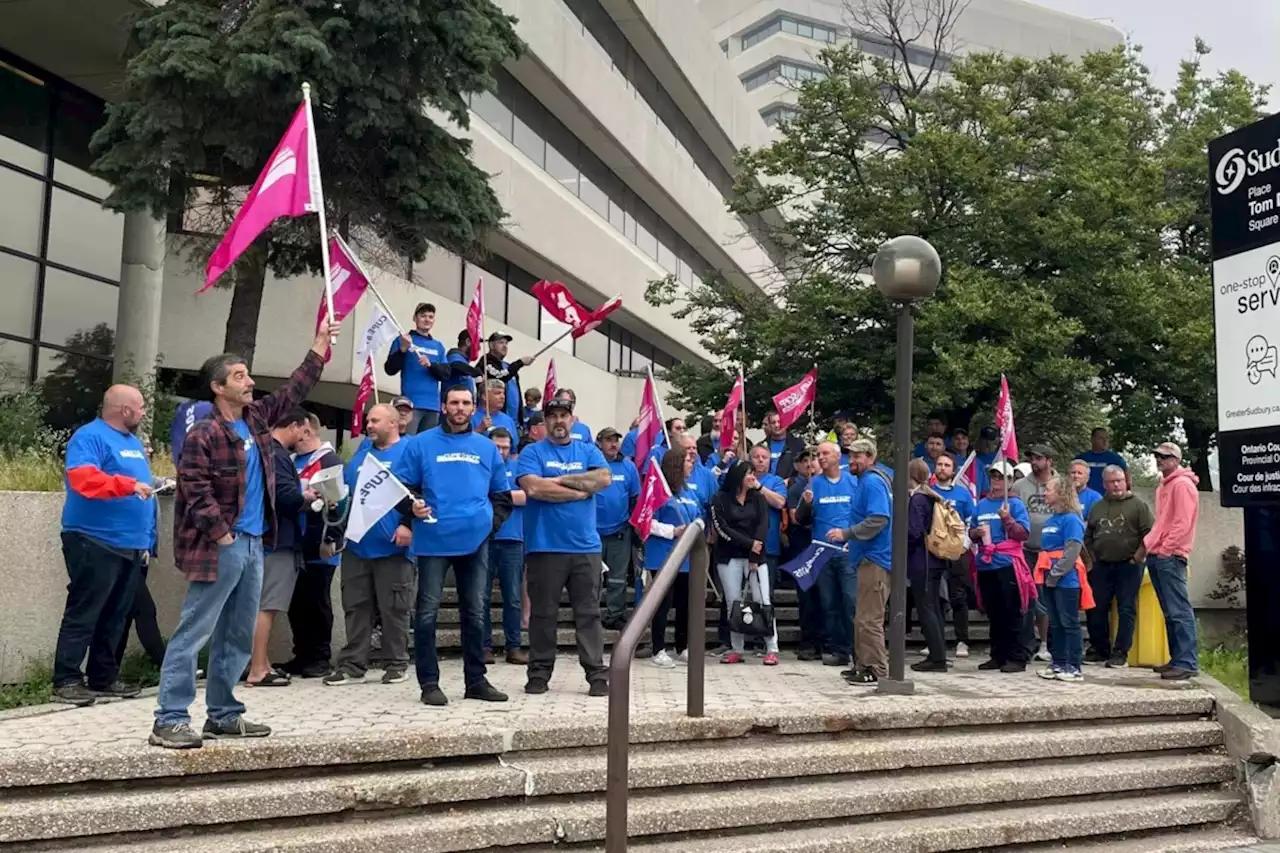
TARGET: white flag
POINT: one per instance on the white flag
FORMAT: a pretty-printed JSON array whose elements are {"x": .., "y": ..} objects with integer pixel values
[
  {"x": 378, "y": 332},
  {"x": 376, "y": 493}
]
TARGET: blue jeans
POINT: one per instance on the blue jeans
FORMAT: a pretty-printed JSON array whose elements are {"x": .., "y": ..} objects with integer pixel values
[
  {"x": 838, "y": 591},
  {"x": 1169, "y": 577},
  {"x": 1064, "y": 626},
  {"x": 223, "y": 614},
  {"x": 470, "y": 571},
  {"x": 1117, "y": 582},
  {"x": 506, "y": 562}
]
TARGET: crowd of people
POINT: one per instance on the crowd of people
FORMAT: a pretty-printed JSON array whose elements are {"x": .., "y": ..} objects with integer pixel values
[{"x": 516, "y": 489}]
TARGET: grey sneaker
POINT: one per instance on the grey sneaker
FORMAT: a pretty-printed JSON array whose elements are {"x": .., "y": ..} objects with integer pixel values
[
  {"x": 74, "y": 694},
  {"x": 176, "y": 736},
  {"x": 116, "y": 690},
  {"x": 433, "y": 695},
  {"x": 234, "y": 727},
  {"x": 1118, "y": 661},
  {"x": 395, "y": 675},
  {"x": 340, "y": 677}
]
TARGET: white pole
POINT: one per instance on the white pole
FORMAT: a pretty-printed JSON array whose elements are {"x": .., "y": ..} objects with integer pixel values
[
  {"x": 657, "y": 399},
  {"x": 566, "y": 333},
  {"x": 373, "y": 375},
  {"x": 317, "y": 189},
  {"x": 355, "y": 259}
]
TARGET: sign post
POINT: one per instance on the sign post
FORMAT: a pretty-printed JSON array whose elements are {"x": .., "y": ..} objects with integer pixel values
[{"x": 1244, "y": 190}]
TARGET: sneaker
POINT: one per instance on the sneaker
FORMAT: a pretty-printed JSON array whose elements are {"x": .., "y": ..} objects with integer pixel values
[
  {"x": 1050, "y": 673},
  {"x": 395, "y": 675},
  {"x": 1043, "y": 653},
  {"x": 518, "y": 657},
  {"x": 770, "y": 659},
  {"x": 929, "y": 666},
  {"x": 1014, "y": 666},
  {"x": 598, "y": 688},
  {"x": 340, "y": 677},
  {"x": 116, "y": 690},
  {"x": 991, "y": 664},
  {"x": 535, "y": 686},
  {"x": 643, "y": 652},
  {"x": 434, "y": 696},
  {"x": 718, "y": 651},
  {"x": 319, "y": 669},
  {"x": 485, "y": 692},
  {"x": 683, "y": 658},
  {"x": 74, "y": 694},
  {"x": 835, "y": 660},
  {"x": 732, "y": 657},
  {"x": 1118, "y": 661},
  {"x": 962, "y": 650},
  {"x": 234, "y": 727},
  {"x": 808, "y": 655},
  {"x": 864, "y": 676},
  {"x": 662, "y": 659},
  {"x": 1070, "y": 675},
  {"x": 1175, "y": 673},
  {"x": 176, "y": 736},
  {"x": 1094, "y": 657}
]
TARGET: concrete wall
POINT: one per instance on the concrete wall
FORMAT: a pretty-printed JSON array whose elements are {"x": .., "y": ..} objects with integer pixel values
[{"x": 33, "y": 577}]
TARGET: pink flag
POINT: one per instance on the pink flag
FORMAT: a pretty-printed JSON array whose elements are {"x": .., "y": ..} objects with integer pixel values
[
  {"x": 966, "y": 476},
  {"x": 348, "y": 282},
  {"x": 363, "y": 395},
  {"x": 1004, "y": 422},
  {"x": 653, "y": 494},
  {"x": 792, "y": 402},
  {"x": 559, "y": 302},
  {"x": 288, "y": 186},
  {"x": 549, "y": 390},
  {"x": 649, "y": 430},
  {"x": 593, "y": 320},
  {"x": 475, "y": 320},
  {"x": 729, "y": 416}
]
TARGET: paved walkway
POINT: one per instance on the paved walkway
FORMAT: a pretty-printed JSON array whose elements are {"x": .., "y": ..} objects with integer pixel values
[{"x": 307, "y": 708}]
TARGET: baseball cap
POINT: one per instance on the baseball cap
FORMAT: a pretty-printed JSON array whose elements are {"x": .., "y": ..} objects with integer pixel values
[
  {"x": 988, "y": 433},
  {"x": 536, "y": 419},
  {"x": 1042, "y": 450},
  {"x": 1168, "y": 448},
  {"x": 557, "y": 404},
  {"x": 1001, "y": 467},
  {"x": 608, "y": 432},
  {"x": 500, "y": 336},
  {"x": 807, "y": 453},
  {"x": 401, "y": 403},
  {"x": 863, "y": 445},
  {"x": 424, "y": 307},
  {"x": 1023, "y": 468}
]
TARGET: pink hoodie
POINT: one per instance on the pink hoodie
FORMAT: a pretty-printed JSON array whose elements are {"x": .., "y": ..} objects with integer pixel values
[{"x": 1177, "y": 510}]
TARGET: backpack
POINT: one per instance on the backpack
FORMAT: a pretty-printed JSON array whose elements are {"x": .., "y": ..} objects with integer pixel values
[{"x": 947, "y": 537}]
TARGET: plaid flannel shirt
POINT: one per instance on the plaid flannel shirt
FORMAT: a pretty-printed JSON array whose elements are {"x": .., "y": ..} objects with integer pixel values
[{"x": 211, "y": 474}]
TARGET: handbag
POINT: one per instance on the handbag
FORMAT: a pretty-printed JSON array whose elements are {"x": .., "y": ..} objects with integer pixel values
[{"x": 749, "y": 617}]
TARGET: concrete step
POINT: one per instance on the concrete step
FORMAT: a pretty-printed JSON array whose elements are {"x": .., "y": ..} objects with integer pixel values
[
  {"x": 1203, "y": 839},
  {"x": 450, "y": 638},
  {"x": 213, "y": 800},
  {"x": 774, "y": 810},
  {"x": 564, "y": 616}
]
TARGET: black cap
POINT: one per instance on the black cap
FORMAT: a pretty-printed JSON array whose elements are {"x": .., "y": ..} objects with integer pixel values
[
  {"x": 401, "y": 402},
  {"x": 535, "y": 419},
  {"x": 464, "y": 335},
  {"x": 500, "y": 336},
  {"x": 608, "y": 432},
  {"x": 1042, "y": 450},
  {"x": 557, "y": 404},
  {"x": 988, "y": 433},
  {"x": 960, "y": 431}
]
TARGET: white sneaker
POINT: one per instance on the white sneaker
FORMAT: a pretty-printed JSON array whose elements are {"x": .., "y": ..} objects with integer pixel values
[
  {"x": 1049, "y": 673},
  {"x": 962, "y": 650},
  {"x": 663, "y": 660},
  {"x": 1043, "y": 654},
  {"x": 683, "y": 658}
]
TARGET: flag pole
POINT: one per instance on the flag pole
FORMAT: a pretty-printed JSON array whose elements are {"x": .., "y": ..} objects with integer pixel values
[
  {"x": 313, "y": 157},
  {"x": 813, "y": 417},
  {"x": 657, "y": 401},
  {"x": 373, "y": 375},
  {"x": 346, "y": 247},
  {"x": 563, "y": 335},
  {"x": 742, "y": 405}
]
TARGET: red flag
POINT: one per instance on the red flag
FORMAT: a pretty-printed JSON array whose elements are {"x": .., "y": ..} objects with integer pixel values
[
  {"x": 289, "y": 185},
  {"x": 549, "y": 390},
  {"x": 475, "y": 320},
  {"x": 596, "y": 317},
  {"x": 559, "y": 302},
  {"x": 792, "y": 402},
  {"x": 363, "y": 395},
  {"x": 649, "y": 430},
  {"x": 653, "y": 494},
  {"x": 1004, "y": 422},
  {"x": 729, "y": 417},
  {"x": 349, "y": 284}
]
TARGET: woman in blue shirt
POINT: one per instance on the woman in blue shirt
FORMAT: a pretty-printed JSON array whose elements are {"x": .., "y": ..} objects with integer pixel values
[
  {"x": 668, "y": 525},
  {"x": 1062, "y": 572}
]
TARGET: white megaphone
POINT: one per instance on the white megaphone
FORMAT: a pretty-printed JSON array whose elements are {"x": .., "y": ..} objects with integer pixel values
[{"x": 328, "y": 484}]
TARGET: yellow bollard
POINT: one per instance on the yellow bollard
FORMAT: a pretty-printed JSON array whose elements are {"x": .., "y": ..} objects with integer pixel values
[{"x": 1150, "y": 640}]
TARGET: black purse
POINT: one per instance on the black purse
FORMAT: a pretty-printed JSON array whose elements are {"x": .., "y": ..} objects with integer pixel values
[{"x": 749, "y": 617}]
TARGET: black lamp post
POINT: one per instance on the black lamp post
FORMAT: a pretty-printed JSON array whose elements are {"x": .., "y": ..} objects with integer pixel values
[{"x": 906, "y": 270}]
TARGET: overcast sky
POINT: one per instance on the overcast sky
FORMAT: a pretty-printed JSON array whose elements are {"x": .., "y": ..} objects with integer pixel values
[{"x": 1242, "y": 33}]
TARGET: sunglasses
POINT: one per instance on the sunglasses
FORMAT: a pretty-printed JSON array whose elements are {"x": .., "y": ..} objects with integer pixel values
[{"x": 1165, "y": 456}]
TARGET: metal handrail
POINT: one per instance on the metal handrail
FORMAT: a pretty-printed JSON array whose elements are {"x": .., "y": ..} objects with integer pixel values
[{"x": 618, "y": 769}]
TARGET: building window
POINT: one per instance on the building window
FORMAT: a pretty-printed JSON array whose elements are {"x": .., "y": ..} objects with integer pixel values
[
  {"x": 792, "y": 26},
  {"x": 778, "y": 113},
  {"x": 783, "y": 69}
]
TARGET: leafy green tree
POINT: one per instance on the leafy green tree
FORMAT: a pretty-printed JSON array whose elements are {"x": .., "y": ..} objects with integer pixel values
[
  {"x": 210, "y": 87},
  {"x": 72, "y": 390}
]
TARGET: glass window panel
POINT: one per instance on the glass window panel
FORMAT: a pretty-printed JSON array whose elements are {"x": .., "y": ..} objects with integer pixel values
[
  {"x": 624, "y": 357},
  {"x": 593, "y": 348},
  {"x": 23, "y": 199},
  {"x": 494, "y": 112},
  {"x": 78, "y": 118},
  {"x": 528, "y": 141},
  {"x": 563, "y": 169},
  {"x": 18, "y": 295},
  {"x": 72, "y": 384},
  {"x": 595, "y": 183},
  {"x": 495, "y": 290},
  {"x": 788, "y": 26},
  {"x": 15, "y": 366},
  {"x": 639, "y": 360},
  {"x": 552, "y": 329},
  {"x": 804, "y": 31},
  {"x": 522, "y": 311},
  {"x": 79, "y": 313},
  {"x": 666, "y": 255},
  {"x": 646, "y": 225},
  {"x": 615, "y": 350},
  {"x": 24, "y": 118},
  {"x": 84, "y": 236}
]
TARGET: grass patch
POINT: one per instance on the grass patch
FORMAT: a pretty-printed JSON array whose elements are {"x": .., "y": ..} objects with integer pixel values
[
  {"x": 137, "y": 668},
  {"x": 36, "y": 688},
  {"x": 1230, "y": 665},
  {"x": 30, "y": 471}
]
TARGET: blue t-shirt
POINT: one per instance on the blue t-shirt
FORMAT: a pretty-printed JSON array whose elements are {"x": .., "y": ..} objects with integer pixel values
[
  {"x": 582, "y": 432},
  {"x": 773, "y": 541},
  {"x": 497, "y": 419},
  {"x": 456, "y": 357},
  {"x": 184, "y": 418},
  {"x": 416, "y": 381},
  {"x": 614, "y": 503},
  {"x": 1098, "y": 461},
  {"x": 1088, "y": 497},
  {"x": 978, "y": 472},
  {"x": 832, "y": 503},
  {"x": 378, "y": 540},
  {"x": 702, "y": 483},
  {"x": 512, "y": 530},
  {"x": 253, "y": 518},
  {"x": 874, "y": 498},
  {"x": 775, "y": 453},
  {"x": 128, "y": 522},
  {"x": 958, "y": 497},
  {"x": 456, "y": 473},
  {"x": 565, "y": 528},
  {"x": 988, "y": 512},
  {"x": 1060, "y": 529},
  {"x": 679, "y": 510}
]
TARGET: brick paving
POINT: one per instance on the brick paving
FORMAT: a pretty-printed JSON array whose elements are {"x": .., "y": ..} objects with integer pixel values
[{"x": 308, "y": 709}]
